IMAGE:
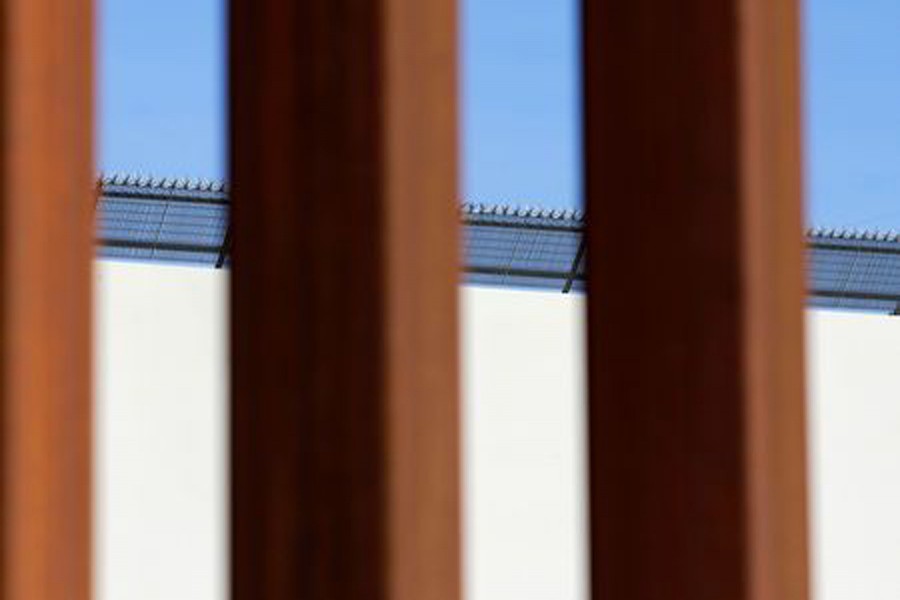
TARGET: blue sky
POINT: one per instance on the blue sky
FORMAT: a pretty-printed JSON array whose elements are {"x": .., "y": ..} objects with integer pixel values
[
  {"x": 162, "y": 87},
  {"x": 162, "y": 74},
  {"x": 853, "y": 112}
]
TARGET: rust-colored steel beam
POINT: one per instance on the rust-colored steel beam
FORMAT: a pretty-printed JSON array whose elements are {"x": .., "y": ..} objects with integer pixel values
[
  {"x": 693, "y": 178},
  {"x": 46, "y": 249},
  {"x": 345, "y": 423}
]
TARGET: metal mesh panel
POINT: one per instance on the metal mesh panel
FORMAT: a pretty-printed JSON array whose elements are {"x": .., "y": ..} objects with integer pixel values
[
  {"x": 187, "y": 222},
  {"x": 522, "y": 247},
  {"x": 166, "y": 221},
  {"x": 854, "y": 271}
]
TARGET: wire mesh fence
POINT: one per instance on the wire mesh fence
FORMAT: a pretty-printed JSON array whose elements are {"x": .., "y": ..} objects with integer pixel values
[{"x": 186, "y": 222}]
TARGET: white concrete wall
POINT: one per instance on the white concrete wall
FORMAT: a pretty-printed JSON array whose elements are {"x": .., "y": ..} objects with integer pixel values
[
  {"x": 524, "y": 443},
  {"x": 161, "y": 443},
  {"x": 854, "y": 422}
]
